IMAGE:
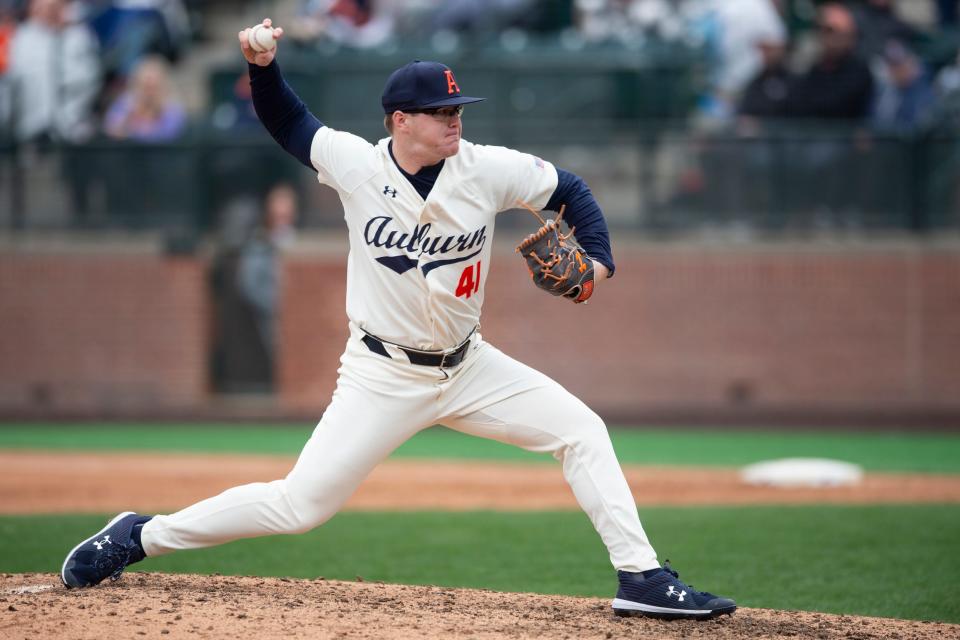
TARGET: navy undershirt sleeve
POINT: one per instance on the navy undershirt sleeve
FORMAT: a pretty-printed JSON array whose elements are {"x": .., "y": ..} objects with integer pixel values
[
  {"x": 583, "y": 213},
  {"x": 282, "y": 112}
]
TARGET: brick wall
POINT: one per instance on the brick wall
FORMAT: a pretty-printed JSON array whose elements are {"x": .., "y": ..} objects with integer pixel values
[
  {"x": 694, "y": 331},
  {"x": 102, "y": 334},
  {"x": 313, "y": 331},
  {"x": 679, "y": 331}
]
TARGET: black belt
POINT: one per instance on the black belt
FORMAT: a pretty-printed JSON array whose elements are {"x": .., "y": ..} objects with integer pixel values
[{"x": 425, "y": 358}]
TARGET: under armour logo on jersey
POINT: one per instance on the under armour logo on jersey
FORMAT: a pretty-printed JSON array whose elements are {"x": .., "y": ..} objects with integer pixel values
[
  {"x": 99, "y": 543},
  {"x": 673, "y": 592},
  {"x": 389, "y": 191}
]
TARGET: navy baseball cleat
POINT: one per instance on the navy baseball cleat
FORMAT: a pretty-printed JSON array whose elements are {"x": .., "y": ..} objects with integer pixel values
[
  {"x": 105, "y": 554},
  {"x": 660, "y": 594}
]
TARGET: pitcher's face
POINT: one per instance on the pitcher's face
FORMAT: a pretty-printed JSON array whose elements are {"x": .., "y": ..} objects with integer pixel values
[{"x": 437, "y": 130}]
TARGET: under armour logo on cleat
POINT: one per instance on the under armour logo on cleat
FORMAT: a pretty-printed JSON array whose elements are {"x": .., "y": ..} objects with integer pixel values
[
  {"x": 389, "y": 191},
  {"x": 99, "y": 543},
  {"x": 673, "y": 592}
]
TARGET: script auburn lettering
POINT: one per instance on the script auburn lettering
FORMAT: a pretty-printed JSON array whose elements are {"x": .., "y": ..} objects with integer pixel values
[
  {"x": 451, "y": 83},
  {"x": 378, "y": 233}
]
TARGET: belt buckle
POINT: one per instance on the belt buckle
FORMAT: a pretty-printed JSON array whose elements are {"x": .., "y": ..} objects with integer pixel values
[{"x": 459, "y": 350}]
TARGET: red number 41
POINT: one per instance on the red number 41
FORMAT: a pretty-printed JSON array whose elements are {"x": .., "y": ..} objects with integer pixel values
[{"x": 469, "y": 285}]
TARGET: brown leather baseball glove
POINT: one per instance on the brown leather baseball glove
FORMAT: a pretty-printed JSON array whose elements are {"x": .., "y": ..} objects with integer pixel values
[{"x": 557, "y": 265}]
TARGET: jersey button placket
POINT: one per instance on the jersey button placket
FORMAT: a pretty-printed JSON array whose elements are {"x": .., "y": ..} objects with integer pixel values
[{"x": 428, "y": 303}]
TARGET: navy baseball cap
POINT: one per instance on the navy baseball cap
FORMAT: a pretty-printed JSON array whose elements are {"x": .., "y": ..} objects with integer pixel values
[{"x": 422, "y": 85}]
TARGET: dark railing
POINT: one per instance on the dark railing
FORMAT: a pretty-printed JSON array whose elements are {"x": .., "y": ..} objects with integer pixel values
[
  {"x": 790, "y": 176},
  {"x": 660, "y": 179},
  {"x": 112, "y": 184}
]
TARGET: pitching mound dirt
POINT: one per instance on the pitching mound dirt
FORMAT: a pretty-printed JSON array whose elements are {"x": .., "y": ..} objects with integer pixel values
[{"x": 151, "y": 605}]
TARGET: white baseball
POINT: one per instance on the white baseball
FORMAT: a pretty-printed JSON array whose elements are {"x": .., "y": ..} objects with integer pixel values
[{"x": 261, "y": 38}]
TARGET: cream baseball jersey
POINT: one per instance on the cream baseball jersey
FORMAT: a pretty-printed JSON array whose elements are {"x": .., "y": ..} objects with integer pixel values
[{"x": 417, "y": 268}]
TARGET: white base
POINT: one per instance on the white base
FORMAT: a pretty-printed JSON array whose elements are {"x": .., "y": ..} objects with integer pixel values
[{"x": 802, "y": 472}]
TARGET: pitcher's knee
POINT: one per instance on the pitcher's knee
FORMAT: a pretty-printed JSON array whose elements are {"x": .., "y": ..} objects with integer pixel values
[
  {"x": 590, "y": 427},
  {"x": 587, "y": 433},
  {"x": 307, "y": 510}
]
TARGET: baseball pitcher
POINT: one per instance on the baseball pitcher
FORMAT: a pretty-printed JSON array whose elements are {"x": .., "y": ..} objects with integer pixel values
[{"x": 420, "y": 206}]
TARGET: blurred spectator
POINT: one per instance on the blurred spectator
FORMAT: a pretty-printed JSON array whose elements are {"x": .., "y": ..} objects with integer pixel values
[
  {"x": 630, "y": 20},
  {"x": 481, "y": 15},
  {"x": 743, "y": 24},
  {"x": 766, "y": 95},
  {"x": 947, "y": 10},
  {"x": 877, "y": 24},
  {"x": 147, "y": 111},
  {"x": 129, "y": 30},
  {"x": 8, "y": 24},
  {"x": 948, "y": 80},
  {"x": 839, "y": 85},
  {"x": 905, "y": 96},
  {"x": 238, "y": 113},
  {"x": 726, "y": 31},
  {"x": 355, "y": 23},
  {"x": 721, "y": 32},
  {"x": 825, "y": 169},
  {"x": 943, "y": 152},
  {"x": 55, "y": 73},
  {"x": 258, "y": 269}
]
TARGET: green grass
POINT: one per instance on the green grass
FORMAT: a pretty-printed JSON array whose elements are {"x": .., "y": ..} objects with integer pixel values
[
  {"x": 897, "y": 561},
  {"x": 874, "y": 451}
]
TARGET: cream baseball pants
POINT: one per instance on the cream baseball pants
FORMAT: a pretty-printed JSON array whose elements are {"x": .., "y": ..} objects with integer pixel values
[{"x": 381, "y": 402}]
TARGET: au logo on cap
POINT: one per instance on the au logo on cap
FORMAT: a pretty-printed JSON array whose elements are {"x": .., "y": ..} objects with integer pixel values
[
  {"x": 421, "y": 85},
  {"x": 451, "y": 82}
]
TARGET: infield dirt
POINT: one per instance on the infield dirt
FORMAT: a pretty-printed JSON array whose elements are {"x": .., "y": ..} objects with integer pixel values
[{"x": 49, "y": 482}]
